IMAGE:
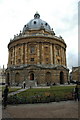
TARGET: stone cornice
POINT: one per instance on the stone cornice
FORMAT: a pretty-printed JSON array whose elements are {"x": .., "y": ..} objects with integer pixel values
[
  {"x": 37, "y": 36},
  {"x": 40, "y": 66}
]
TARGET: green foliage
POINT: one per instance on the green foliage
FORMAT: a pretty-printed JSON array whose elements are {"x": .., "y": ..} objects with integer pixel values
[{"x": 42, "y": 95}]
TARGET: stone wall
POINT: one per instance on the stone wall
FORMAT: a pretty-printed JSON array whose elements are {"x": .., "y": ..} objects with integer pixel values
[
  {"x": 37, "y": 48},
  {"x": 41, "y": 76},
  {"x": 46, "y": 51}
]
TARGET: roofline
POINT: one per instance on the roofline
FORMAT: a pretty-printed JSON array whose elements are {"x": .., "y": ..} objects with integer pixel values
[{"x": 37, "y": 35}]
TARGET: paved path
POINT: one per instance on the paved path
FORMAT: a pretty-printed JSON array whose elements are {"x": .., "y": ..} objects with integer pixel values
[
  {"x": 18, "y": 91},
  {"x": 68, "y": 109}
]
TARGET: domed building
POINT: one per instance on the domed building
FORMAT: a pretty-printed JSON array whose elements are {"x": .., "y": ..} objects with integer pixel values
[{"x": 37, "y": 56}]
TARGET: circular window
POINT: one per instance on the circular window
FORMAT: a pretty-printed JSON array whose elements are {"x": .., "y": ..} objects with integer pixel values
[
  {"x": 46, "y": 24},
  {"x": 34, "y": 22}
]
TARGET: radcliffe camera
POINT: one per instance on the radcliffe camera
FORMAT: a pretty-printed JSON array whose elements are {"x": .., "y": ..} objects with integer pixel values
[
  {"x": 37, "y": 56},
  {"x": 40, "y": 76}
]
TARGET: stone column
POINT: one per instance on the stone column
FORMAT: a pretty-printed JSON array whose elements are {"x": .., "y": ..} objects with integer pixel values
[
  {"x": 14, "y": 55},
  {"x": 38, "y": 54},
  {"x": 54, "y": 55},
  {"x": 61, "y": 56},
  {"x": 51, "y": 53},
  {"x": 42, "y": 53},
  {"x": 21, "y": 56},
  {"x": 65, "y": 57},
  {"x": 23, "y": 53},
  {"x": 26, "y": 53},
  {"x": 8, "y": 58}
]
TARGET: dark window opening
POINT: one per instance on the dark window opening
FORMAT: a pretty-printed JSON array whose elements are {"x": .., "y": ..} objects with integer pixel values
[
  {"x": 17, "y": 78},
  {"x": 58, "y": 61},
  {"x": 19, "y": 61},
  {"x": 32, "y": 59},
  {"x": 46, "y": 24},
  {"x": 31, "y": 76},
  {"x": 11, "y": 62},
  {"x": 61, "y": 78},
  {"x": 19, "y": 51},
  {"x": 46, "y": 48},
  {"x": 34, "y": 22},
  {"x": 47, "y": 59}
]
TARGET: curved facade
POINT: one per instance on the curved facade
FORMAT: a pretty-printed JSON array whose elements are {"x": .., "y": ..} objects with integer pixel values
[{"x": 37, "y": 56}]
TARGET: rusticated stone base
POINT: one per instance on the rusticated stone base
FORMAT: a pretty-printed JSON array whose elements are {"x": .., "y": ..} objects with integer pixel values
[{"x": 38, "y": 74}]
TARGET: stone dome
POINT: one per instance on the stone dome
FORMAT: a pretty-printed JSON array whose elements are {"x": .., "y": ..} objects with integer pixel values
[{"x": 36, "y": 24}]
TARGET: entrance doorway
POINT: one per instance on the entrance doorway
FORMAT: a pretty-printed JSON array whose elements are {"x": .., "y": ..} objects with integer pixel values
[
  {"x": 32, "y": 76},
  {"x": 61, "y": 77}
]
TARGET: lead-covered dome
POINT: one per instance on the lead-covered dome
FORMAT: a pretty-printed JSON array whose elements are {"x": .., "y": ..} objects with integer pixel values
[{"x": 36, "y": 24}]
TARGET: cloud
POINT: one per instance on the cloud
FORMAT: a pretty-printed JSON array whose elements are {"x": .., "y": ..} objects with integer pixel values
[
  {"x": 78, "y": 59},
  {"x": 72, "y": 60},
  {"x": 61, "y": 15}
]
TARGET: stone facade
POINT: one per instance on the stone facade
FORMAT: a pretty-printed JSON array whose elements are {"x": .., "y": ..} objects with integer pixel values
[
  {"x": 2, "y": 75},
  {"x": 75, "y": 74},
  {"x": 36, "y": 55}
]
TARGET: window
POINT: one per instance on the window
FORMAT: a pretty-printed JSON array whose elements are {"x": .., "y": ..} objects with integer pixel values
[
  {"x": 46, "y": 50},
  {"x": 32, "y": 49},
  {"x": 11, "y": 62},
  {"x": 19, "y": 61},
  {"x": 47, "y": 59},
  {"x": 19, "y": 51},
  {"x": 34, "y": 22},
  {"x": 32, "y": 59},
  {"x": 57, "y": 53},
  {"x": 31, "y": 76},
  {"x": 46, "y": 24},
  {"x": 58, "y": 61}
]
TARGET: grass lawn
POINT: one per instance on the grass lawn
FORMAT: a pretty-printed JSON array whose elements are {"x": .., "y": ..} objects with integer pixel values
[
  {"x": 55, "y": 88},
  {"x": 57, "y": 91},
  {"x": 42, "y": 95}
]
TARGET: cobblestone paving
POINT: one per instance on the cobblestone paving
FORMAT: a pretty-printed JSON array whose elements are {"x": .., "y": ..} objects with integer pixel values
[{"x": 68, "y": 109}]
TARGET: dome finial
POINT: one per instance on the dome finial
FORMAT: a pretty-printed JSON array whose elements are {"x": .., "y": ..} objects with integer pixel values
[{"x": 36, "y": 16}]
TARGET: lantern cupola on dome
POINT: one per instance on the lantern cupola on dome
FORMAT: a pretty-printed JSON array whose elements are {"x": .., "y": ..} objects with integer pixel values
[{"x": 36, "y": 16}]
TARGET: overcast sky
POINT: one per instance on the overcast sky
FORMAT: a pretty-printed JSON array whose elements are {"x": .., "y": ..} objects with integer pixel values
[{"x": 61, "y": 15}]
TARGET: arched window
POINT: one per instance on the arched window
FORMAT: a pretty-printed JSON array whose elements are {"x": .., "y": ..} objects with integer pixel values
[
  {"x": 17, "y": 78},
  {"x": 31, "y": 76},
  {"x": 61, "y": 77},
  {"x": 32, "y": 49},
  {"x": 48, "y": 78}
]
